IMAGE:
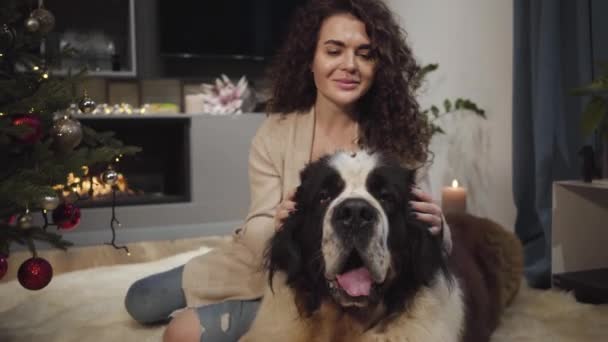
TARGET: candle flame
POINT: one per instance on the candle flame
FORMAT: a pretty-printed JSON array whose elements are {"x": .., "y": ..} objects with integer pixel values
[{"x": 454, "y": 183}]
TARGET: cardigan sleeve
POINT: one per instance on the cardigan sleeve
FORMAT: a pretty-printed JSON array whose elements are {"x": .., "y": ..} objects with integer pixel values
[
  {"x": 232, "y": 270},
  {"x": 265, "y": 185}
]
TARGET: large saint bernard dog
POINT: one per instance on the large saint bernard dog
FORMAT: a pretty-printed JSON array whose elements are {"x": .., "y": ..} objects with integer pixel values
[{"x": 352, "y": 264}]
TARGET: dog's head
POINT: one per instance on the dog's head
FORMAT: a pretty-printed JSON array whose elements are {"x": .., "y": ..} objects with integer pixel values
[{"x": 352, "y": 238}]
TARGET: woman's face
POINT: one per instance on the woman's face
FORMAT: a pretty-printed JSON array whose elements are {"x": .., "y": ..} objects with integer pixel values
[{"x": 343, "y": 65}]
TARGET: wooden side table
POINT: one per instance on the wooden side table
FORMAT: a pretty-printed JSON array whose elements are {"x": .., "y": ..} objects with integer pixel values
[{"x": 579, "y": 240}]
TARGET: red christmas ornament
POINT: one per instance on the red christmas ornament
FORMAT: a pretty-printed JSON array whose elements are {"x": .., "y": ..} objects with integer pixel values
[
  {"x": 66, "y": 216},
  {"x": 34, "y": 133},
  {"x": 3, "y": 266},
  {"x": 35, "y": 273},
  {"x": 12, "y": 220}
]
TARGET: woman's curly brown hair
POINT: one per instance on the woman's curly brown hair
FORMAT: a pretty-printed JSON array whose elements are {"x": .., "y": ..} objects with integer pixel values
[{"x": 389, "y": 115}]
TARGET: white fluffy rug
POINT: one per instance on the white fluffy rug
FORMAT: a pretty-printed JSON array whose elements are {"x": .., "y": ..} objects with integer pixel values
[
  {"x": 88, "y": 306},
  {"x": 85, "y": 305}
]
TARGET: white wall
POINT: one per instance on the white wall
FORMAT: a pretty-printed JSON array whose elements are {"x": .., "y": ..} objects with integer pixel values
[{"x": 472, "y": 42}]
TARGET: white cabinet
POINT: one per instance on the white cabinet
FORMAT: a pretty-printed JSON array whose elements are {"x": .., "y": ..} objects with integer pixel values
[{"x": 579, "y": 241}]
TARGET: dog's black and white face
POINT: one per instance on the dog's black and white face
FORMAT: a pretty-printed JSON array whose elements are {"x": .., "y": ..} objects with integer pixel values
[
  {"x": 352, "y": 237},
  {"x": 355, "y": 226}
]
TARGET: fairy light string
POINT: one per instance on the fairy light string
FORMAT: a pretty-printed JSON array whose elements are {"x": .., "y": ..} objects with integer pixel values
[{"x": 114, "y": 221}]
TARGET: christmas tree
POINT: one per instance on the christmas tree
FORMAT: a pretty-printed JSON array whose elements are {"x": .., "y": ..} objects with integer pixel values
[{"x": 42, "y": 141}]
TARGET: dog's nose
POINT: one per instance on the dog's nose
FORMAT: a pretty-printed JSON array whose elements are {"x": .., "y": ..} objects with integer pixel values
[{"x": 354, "y": 212}]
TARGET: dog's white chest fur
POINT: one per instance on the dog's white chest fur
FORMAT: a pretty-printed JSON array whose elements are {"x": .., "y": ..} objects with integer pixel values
[{"x": 436, "y": 315}]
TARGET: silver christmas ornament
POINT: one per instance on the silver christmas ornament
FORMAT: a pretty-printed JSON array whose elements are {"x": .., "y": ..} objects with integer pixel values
[
  {"x": 109, "y": 177},
  {"x": 45, "y": 19},
  {"x": 49, "y": 202},
  {"x": 25, "y": 221},
  {"x": 87, "y": 105},
  {"x": 66, "y": 133},
  {"x": 32, "y": 24}
]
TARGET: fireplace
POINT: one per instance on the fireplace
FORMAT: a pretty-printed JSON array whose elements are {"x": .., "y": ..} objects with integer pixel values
[
  {"x": 203, "y": 162},
  {"x": 160, "y": 173}
]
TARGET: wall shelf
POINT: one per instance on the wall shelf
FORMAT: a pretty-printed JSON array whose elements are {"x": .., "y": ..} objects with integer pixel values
[{"x": 102, "y": 32}]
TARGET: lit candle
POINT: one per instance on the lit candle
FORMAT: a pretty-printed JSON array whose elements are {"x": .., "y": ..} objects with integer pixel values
[{"x": 454, "y": 198}]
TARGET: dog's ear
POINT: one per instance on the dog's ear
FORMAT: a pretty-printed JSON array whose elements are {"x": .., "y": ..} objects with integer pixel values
[
  {"x": 283, "y": 252},
  {"x": 289, "y": 252},
  {"x": 427, "y": 256},
  {"x": 417, "y": 256}
]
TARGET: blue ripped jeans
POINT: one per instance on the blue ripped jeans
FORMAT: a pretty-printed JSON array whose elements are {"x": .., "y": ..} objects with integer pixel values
[{"x": 152, "y": 299}]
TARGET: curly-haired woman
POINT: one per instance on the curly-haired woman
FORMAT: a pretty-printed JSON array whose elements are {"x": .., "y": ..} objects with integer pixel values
[{"x": 344, "y": 80}]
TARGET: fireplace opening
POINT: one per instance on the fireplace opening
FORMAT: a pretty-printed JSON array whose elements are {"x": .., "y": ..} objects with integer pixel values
[{"x": 160, "y": 173}]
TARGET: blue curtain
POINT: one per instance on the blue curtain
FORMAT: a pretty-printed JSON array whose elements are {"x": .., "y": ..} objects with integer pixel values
[{"x": 552, "y": 54}]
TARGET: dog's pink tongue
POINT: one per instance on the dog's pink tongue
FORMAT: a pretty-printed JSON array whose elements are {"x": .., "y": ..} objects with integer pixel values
[{"x": 356, "y": 282}]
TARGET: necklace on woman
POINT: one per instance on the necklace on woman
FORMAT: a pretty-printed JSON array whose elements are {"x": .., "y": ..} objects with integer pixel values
[{"x": 323, "y": 143}]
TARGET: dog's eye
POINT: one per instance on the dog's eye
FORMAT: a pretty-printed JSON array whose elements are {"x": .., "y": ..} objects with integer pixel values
[
  {"x": 386, "y": 197},
  {"x": 324, "y": 196}
]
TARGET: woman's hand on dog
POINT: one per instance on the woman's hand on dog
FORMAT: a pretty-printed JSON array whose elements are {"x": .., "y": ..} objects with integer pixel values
[
  {"x": 286, "y": 207},
  {"x": 427, "y": 210}
]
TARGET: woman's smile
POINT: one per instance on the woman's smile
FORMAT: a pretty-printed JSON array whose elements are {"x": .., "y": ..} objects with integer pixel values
[{"x": 347, "y": 84}]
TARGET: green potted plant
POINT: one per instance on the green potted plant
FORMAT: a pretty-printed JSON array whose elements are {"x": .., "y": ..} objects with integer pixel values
[
  {"x": 435, "y": 112},
  {"x": 595, "y": 114}
]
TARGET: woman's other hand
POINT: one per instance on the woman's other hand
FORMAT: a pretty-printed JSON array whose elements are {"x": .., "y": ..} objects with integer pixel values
[
  {"x": 286, "y": 207},
  {"x": 427, "y": 210}
]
